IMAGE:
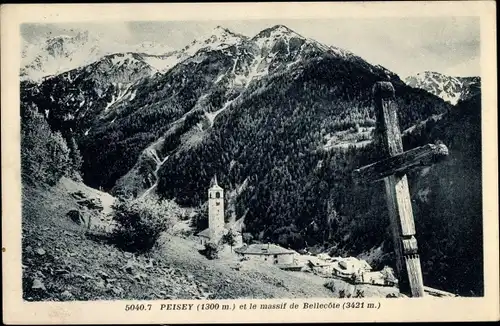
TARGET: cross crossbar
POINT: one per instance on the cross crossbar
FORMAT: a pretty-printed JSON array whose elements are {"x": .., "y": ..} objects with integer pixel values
[{"x": 402, "y": 163}]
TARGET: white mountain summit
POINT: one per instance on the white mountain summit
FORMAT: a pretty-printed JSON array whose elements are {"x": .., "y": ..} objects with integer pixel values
[
  {"x": 58, "y": 54},
  {"x": 449, "y": 88}
]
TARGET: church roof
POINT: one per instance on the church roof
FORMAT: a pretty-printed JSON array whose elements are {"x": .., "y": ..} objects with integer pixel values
[
  {"x": 235, "y": 225},
  {"x": 215, "y": 185},
  {"x": 205, "y": 233},
  {"x": 263, "y": 249}
]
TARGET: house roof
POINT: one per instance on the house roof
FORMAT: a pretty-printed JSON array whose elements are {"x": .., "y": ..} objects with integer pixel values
[
  {"x": 350, "y": 265},
  {"x": 353, "y": 261},
  {"x": 318, "y": 263},
  {"x": 263, "y": 249}
]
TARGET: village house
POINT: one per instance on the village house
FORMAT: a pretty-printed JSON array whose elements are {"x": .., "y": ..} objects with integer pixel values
[
  {"x": 321, "y": 267},
  {"x": 384, "y": 277},
  {"x": 349, "y": 267},
  {"x": 269, "y": 253},
  {"x": 352, "y": 269}
]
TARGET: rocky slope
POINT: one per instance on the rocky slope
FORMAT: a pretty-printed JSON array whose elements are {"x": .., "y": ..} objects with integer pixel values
[
  {"x": 62, "y": 262},
  {"x": 450, "y": 89}
]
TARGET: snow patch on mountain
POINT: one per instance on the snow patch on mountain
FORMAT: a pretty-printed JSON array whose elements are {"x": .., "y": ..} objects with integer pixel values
[
  {"x": 54, "y": 55},
  {"x": 220, "y": 38},
  {"x": 212, "y": 115},
  {"x": 162, "y": 63},
  {"x": 122, "y": 92},
  {"x": 450, "y": 89},
  {"x": 121, "y": 60}
]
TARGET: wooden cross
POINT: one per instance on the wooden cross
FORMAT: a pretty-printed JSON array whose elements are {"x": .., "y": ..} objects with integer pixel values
[{"x": 392, "y": 169}]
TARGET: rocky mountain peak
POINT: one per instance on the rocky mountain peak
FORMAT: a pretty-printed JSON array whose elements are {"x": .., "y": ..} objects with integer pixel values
[
  {"x": 223, "y": 31},
  {"x": 218, "y": 38},
  {"x": 449, "y": 88},
  {"x": 277, "y": 31}
]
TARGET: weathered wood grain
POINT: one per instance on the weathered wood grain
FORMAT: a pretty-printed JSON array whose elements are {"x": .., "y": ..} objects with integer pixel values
[
  {"x": 438, "y": 293},
  {"x": 401, "y": 163},
  {"x": 392, "y": 208},
  {"x": 388, "y": 136},
  {"x": 387, "y": 132},
  {"x": 415, "y": 279}
]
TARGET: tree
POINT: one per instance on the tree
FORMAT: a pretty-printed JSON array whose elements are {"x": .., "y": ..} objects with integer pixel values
[
  {"x": 76, "y": 157},
  {"x": 44, "y": 153},
  {"x": 229, "y": 238}
]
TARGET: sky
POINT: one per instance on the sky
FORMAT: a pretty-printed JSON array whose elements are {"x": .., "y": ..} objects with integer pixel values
[{"x": 406, "y": 46}]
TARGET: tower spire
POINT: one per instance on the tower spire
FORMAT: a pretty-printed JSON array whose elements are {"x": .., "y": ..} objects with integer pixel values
[{"x": 215, "y": 180}]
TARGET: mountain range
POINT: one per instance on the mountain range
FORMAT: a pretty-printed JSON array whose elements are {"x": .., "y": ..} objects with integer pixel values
[
  {"x": 58, "y": 54},
  {"x": 450, "y": 89},
  {"x": 281, "y": 119}
]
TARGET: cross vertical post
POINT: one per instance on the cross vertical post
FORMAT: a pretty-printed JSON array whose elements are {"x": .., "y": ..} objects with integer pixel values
[
  {"x": 392, "y": 169},
  {"x": 388, "y": 137}
]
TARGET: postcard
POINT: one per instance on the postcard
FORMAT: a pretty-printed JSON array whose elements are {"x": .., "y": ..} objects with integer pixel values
[{"x": 249, "y": 162}]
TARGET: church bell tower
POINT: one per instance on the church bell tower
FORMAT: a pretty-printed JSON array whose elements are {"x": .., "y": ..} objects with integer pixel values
[{"x": 215, "y": 211}]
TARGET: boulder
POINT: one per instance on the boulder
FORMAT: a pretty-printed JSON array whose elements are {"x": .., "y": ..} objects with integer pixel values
[
  {"x": 66, "y": 295},
  {"x": 28, "y": 250},
  {"x": 78, "y": 195},
  {"x": 91, "y": 203},
  {"x": 77, "y": 217},
  {"x": 38, "y": 285},
  {"x": 62, "y": 271},
  {"x": 40, "y": 251}
]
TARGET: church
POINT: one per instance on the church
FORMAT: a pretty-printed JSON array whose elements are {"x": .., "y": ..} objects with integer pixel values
[{"x": 216, "y": 225}]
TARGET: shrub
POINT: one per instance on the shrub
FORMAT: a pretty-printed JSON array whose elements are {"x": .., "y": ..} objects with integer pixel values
[
  {"x": 247, "y": 238},
  {"x": 330, "y": 285},
  {"x": 211, "y": 251},
  {"x": 140, "y": 223},
  {"x": 200, "y": 220},
  {"x": 359, "y": 294},
  {"x": 229, "y": 238}
]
